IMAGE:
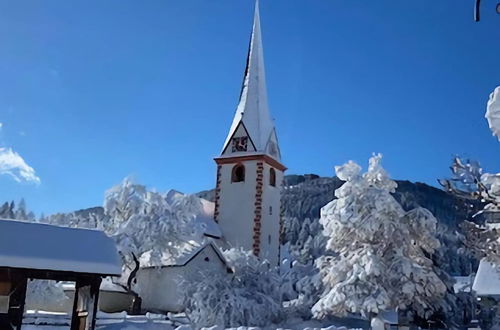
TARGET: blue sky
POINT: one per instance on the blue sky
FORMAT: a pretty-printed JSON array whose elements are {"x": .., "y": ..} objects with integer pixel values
[{"x": 93, "y": 91}]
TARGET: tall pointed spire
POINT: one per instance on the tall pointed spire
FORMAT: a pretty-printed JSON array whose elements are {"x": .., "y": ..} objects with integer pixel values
[{"x": 253, "y": 111}]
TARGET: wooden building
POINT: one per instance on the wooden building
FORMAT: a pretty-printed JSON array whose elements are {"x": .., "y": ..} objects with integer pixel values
[{"x": 41, "y": 251}]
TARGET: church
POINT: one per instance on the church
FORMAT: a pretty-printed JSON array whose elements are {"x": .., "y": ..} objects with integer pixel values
[
  {"x": 249, "y": 168},
  {"x": 246, "y": 212}
]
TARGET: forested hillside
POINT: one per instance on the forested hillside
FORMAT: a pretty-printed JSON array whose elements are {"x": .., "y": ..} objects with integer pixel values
[{"x": 304, "y": 195}]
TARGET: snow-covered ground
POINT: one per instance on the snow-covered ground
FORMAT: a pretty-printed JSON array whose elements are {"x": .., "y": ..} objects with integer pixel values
[
  {"x": 121, "y": 321},
  {"x": 60, "y": 321}
]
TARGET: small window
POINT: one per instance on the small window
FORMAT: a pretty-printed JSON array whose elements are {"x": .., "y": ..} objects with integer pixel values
[
  {"x": 269, "y": 239},
  {"x": 270, "y": 210},
  {"x": 238, "y": 174},
  {"x": 207, "y": 259},
  {"x": 272, "y": 177}
]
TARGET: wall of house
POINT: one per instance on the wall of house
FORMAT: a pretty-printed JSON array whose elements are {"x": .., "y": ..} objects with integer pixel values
[{"x": 159, "y": 288}]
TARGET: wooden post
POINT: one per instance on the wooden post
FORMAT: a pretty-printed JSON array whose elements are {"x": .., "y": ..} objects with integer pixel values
[
  {"x": 14, "y": 289},
  {"x": 85, "y": 304}
]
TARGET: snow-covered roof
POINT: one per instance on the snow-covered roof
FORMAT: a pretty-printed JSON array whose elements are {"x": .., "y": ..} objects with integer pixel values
[
  {"x": 187, "y": 253},
  {"x": 487, "y": 281},
  {"x": 47, "y": 247},
  {"x": 212, "y": 229},
  {"x": 253, "y": 110}
]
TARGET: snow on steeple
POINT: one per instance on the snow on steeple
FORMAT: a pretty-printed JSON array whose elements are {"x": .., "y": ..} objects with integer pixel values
[{"x": 252, "y": 117}]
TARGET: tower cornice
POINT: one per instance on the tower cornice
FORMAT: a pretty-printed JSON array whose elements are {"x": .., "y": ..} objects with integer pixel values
[{"x": 257, "y": 156}]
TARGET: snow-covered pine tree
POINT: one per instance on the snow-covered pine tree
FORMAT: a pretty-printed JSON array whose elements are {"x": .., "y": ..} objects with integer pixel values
[
  {"x": 7, "y": 210},
  {"x": 20, "y": 212},
  {"x": 381, "y": 252},
  {"x": 13, "y": 212}
]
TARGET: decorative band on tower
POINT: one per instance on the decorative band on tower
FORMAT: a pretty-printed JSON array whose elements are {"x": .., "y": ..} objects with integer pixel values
[
  {"x": 257, "y": 222},
  {"x": 217, "y": 194}
]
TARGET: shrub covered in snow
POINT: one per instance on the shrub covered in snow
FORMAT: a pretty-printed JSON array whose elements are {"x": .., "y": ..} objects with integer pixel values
[
  {"x": 381, "y": 252},
  {"x": 250, "y": 296}
]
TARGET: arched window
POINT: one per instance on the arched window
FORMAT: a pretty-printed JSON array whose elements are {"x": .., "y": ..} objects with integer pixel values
[
  {"x": 272, "y": 177},
  {"x": 238, "y": 174}
]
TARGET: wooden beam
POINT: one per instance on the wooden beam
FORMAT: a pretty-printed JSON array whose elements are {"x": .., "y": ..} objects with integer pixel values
[{"x": 85, "y": 303}]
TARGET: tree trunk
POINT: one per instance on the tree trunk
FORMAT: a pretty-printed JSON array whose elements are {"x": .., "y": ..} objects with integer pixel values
[{"x": 136, "y": 306}]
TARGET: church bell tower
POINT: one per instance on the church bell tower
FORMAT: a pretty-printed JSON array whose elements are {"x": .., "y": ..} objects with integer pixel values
[{"x": 249, "y": 168}]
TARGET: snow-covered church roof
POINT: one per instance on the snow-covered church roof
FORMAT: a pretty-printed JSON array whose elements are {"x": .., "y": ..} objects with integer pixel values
[
  {"x": 186, "y": 254},
  {"x": 206, "y": 217},
  {"x": 253, "y": 111},
  {"x": 47, "y": 247}
]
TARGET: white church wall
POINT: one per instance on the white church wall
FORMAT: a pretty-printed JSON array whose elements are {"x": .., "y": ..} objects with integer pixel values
[
  {"x": 271, "y": 208},
  {"x": 237, "y": 206},
  {"x": 160, "y": 288},
  {"x": 237, "y": 209}
]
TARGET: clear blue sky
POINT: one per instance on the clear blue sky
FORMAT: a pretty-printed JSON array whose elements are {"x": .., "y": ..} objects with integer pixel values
[{"x": 93, "y": 91}]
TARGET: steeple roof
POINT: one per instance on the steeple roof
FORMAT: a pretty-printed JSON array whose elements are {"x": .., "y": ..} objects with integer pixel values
[{"x": 253, "y": 111}]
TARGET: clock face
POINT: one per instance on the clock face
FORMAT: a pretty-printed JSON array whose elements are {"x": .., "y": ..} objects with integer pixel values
[{"x": 240, "y": 143}]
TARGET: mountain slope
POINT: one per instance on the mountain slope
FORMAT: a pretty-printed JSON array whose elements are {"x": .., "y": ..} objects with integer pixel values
[{"x": 305, "y": 195}]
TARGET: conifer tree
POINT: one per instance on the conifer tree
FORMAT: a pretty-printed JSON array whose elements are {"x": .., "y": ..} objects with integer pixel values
[{"x": 380, "y": 252}]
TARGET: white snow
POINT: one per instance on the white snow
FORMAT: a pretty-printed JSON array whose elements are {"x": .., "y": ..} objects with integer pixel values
[
  {"x": 206, "y": 217},
  {"x": 106, "y": 285},
  {"x": 48, "y": 247},
  {"x": 487, "y": 281},
  {"x": 493, "y": 112},
  {"x": 122, "y": 321}
]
